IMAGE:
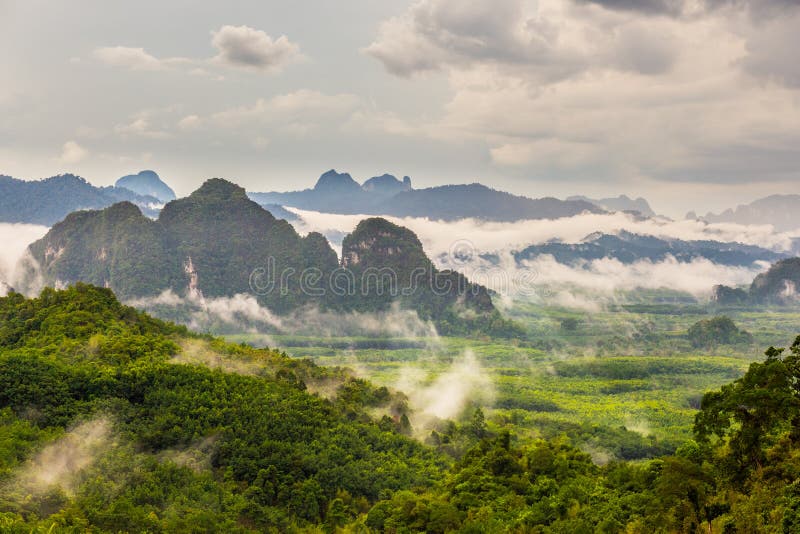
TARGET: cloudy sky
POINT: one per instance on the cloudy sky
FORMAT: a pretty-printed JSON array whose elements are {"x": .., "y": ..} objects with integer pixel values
[{"x": 694, "y": 104}]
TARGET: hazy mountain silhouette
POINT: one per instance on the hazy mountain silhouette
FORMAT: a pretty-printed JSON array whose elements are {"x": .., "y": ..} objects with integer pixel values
[
  {"x": 777, "y": 210},
  {"x": 50, "y": 200},
  {"x": 620, "y": 203},
  {"x": 147, "y": 183},
  {"x": 386, "y": 195}
]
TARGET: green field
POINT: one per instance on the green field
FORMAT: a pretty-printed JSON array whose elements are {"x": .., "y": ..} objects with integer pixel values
[{"x": 622, "y": 383}]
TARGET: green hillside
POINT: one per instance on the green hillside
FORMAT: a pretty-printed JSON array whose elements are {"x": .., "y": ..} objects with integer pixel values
[
  {"x": 218, "y": 243},
  {"x": 111, "y": 421}
]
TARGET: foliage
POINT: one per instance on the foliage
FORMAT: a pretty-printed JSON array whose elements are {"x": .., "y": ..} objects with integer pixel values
[
  {"x": 247, "y": 447},
  {"x": 280, "y": 456},
  {"x": 218, "y": 243},
  {"x": 720, "y": 330}
]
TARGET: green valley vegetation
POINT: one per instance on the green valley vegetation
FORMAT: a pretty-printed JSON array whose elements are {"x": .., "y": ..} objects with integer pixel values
[
  {"x": 113, "y": 421},
  {"x": 219, "y": 243},
  {"x": 719, "y": 330},
  {"x": 107, "y": 424}
]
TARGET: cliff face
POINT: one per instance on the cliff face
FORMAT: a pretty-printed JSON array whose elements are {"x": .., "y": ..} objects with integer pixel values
[
  {"x": 388, "y": 259},
  {"x": 780, "y": 284},
  {"x": 217, "y": 242}
]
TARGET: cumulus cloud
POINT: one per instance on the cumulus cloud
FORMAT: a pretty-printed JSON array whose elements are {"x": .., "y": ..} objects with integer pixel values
[
  {"x": 550, "y": 43},
  {"x": 72, "y": 153},
  {"x": 128, "y": 57},
  {"x": 704, "y": 91},
  {"x": 243, "y": 46},
  {"x": 140, "y": 127},
  {"x": 237, "y": 46}
]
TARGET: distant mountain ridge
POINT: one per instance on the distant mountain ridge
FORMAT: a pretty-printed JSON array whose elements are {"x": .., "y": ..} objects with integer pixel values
[
  {"x": 337, "y": 192},
  {"x": 50, "y": 200},
  {"x": 219, "y": 243},
  {"x": 147, "y": 183},
  {"x": 777, "y": 210},
  {"x": 628, "y": 247},
  {"x": 620, "y": 203}
]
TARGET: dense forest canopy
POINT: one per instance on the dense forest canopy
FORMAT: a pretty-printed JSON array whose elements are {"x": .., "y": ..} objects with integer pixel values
[{"x": 111, "y": 420}]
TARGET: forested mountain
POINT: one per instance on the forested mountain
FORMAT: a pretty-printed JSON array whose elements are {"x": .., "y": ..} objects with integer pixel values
[
  {"x": 147, "y": 183},
  {"x": 126, "y": 438},
  {"x": 779, "y": 285},
  {"x": 620, "y": 203},
  {"x": 112, "y": 421},
  {"x": 629, "y": 248},
  {"x": 777, "y": 210},
  {"x": 386, "y": 195},
  {"x": 217, "y": 242},
  {"x": 49, "y": 201}
]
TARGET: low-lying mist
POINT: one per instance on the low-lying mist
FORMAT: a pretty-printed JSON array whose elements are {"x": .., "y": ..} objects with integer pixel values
[
  {"x": 15, "y": 239},
  {"x": 446, "y": 396},
  {"x": 59, "y": 464},
  {"x": 591, "y": 284},
  {"x": 242, "y": 313},
  {"x": 588, "y": 285},
  {"x": 438, "y": 237}
]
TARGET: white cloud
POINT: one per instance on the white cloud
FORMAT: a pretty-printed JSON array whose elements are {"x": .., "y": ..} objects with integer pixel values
[
  {"x": 556, "y": 40},
  {"x": 188, "y": 123},
  {"x": 243, "y": 46},
  {"x": 72, "y": 153},
  {"x": 140, "y": 127},
  {"x": 296, "y": 112},
  {"x": 557, "y": 88},
  {"x": 128, "y": 57},
  {"x": 15, "y": 239},
  {"x": 484, "y": 237},
  {"x": 237, "y": 46}
]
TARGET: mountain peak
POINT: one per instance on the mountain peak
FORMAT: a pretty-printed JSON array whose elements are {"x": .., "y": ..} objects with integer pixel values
[
  {"x": 335, "y": 182},
  {"x": 386, "y": 183},
  {"x": 147, "y": 183},
  {"x": 219, "y": 189},
  {"x": 123, "y": 210}
]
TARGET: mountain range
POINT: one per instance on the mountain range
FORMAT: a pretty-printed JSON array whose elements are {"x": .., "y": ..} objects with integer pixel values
[
  {"x": 628, "y": 247},
  {"x": 337, "y": 192},
  {"x": 777, "y": 210},
  {"x": 218, "y": 243},
  {"x": 620, "y": 203},
  {"x": 48, "y": 201}
]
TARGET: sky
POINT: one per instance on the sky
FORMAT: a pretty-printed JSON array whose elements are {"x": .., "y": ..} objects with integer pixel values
[{"x": 694, "y": 104}]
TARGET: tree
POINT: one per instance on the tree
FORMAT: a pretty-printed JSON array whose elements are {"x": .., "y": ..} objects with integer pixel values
[{"x": 753, "y": 411}]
